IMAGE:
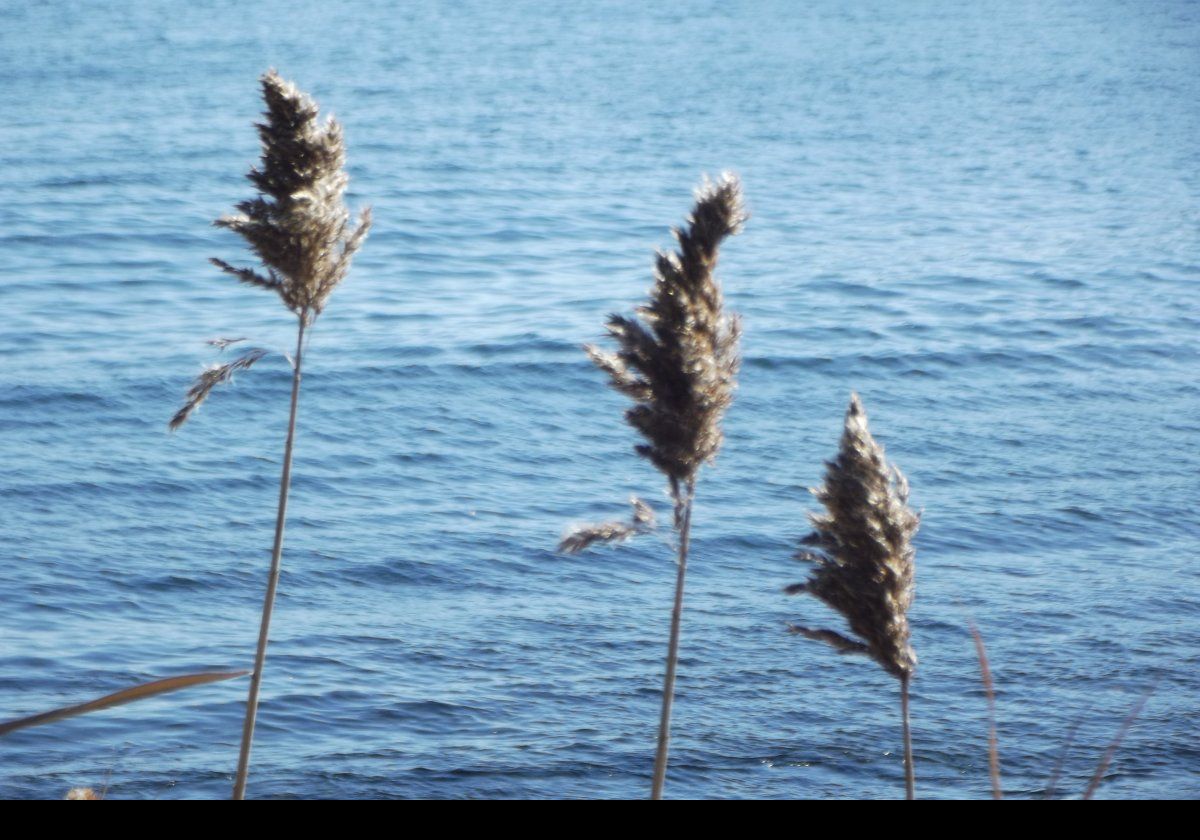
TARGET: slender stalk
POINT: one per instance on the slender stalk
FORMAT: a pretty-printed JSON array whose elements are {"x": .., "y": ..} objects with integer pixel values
[
  {"x": 1106, "y": 759},
  {"x": 985, "y": 671},
  {"x": 1052, "y": 783},
  {"x": 668, "y": 699},
  {"x": 910, "y": 792},
  {"x": 260, "y": 657},
  {"x": 678, "y": 360}
]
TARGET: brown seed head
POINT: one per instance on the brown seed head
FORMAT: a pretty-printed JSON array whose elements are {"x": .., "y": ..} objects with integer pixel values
[
  {"x": 679, "y": 360},
  {"x": 298, "y": 225},
  {"x": 862, "y": 549}
]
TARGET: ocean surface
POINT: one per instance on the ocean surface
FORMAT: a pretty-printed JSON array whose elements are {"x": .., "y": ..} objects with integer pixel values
[{"x": 983, "y": 218}]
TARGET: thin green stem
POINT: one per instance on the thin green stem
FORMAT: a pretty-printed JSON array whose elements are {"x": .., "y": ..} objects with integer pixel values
[
  {"x": 909, "y": 777},
  {"x": 668, "y": 698},
  {"x": 264, "y": 632}
]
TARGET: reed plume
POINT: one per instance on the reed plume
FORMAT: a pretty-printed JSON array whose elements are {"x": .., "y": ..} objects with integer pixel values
[
  {"x": 300, "y": 229},
  {"x": 863, "y": 559},
  {"x": 678, "y": 361}
]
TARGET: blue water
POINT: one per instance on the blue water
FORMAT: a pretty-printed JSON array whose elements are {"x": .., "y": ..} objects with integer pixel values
[{"x": 982, "y": 217}]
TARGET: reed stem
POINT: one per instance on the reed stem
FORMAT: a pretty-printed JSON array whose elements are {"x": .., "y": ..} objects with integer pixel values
[
  {"x": 1106, "y": 760},
  {"x": 909, "y": 776},
  {"x": 285, "y": 482},
  {"x": 668, "y": 699},
  {"x": 985, "y": 671}
]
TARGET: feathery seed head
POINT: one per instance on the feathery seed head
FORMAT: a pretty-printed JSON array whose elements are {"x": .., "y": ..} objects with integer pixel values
[
  {"x": 298, "y": 225},
  {"x": 82, "y": 794},
  {"x": 211, "y": 378},
  {"x": 679, "y": 360},
  {"x": 641, "y": 522},
  {"x": 861, "y": 548}
]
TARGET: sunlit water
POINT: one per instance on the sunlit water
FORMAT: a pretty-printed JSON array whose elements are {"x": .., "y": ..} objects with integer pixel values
[{"x": 981, "y": 217}]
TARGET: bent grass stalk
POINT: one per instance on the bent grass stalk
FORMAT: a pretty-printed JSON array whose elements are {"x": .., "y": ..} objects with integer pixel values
[
  {"x": 863, "y": 560},
  {"x": 299, "y": 228},
  {"x": 678, "y": 362},
  {"x": 1052, "y": 783},
  {"x": 1056, "y": 773},
  {"x": 143, "y": 691},
  {"x": 985, "y": 674},
  {"x": 1110, "y": 753}
]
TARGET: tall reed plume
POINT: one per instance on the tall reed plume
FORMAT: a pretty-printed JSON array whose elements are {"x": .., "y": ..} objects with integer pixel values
[
  {"x": 861, "y": 548},
  {"x": 678, "y": 362},
  {"x": 300, "y": 229}
]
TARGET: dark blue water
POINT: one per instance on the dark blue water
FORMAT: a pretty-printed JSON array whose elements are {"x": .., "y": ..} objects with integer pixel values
[{"x": 982, "y": 218}]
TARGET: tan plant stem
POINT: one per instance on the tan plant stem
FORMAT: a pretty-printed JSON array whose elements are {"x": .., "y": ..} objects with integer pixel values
[
  {"x": 985, "y": 671},
  {"x": 117, "y": 698},
  {"x": 1106, "y": 760},
  {"x": 910, "y": 792},
  {"x": 1052, "y": 783},
  {"x": 668, "y": 698},
  {"x": 260, "y": 657}
]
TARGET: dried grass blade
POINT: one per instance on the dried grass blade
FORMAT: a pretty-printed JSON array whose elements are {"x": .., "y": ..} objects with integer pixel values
[
  {"x": 1106, "y": 759},
  {"x": 1056, "y": 773},
  {"x": 993, "y": 747},
  {"x": 128, "y": 695}
]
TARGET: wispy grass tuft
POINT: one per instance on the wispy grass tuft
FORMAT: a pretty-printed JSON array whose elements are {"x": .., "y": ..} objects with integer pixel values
[
  {"x": 863, "y": 559},
  {"x": 211, "y": 378},
  {"x": 300, "y": 229},
  {"x": 677, "y": 359},
  {"x": 643, "y": 521}
]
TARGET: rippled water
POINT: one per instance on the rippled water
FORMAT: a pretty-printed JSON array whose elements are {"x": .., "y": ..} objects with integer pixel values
[{"x": 984, "y": 219}]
